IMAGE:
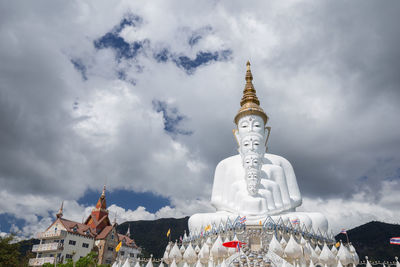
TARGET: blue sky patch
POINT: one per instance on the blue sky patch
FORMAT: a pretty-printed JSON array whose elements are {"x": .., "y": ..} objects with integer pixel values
[
  {"x": 197, "y": 35},
  {"x": 79, "y": 66},
  {"x": 7, "y": 220},
  {"x": 126, "y": 199},
  {"x": 172, "y": 118},
  {"x": 122, "y": 49},
  {"x": 202, "y": 58},
  {"x": 128, "y": 20}
]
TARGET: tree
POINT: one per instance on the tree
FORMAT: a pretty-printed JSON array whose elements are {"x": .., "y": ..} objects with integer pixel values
[
  {"x": 9, "y": 251},
  {"x": 88, "y": 261}
]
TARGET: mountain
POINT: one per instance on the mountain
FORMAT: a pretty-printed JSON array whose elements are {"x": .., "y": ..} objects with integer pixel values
[
  {"x": 152, "y": 235},
  {"x": 372, "y": 240}
]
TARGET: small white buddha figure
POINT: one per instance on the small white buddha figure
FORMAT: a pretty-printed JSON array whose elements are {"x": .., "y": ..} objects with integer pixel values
[
  {"x": 254, "y": 183},
  {"x": 253, "y": 180}
]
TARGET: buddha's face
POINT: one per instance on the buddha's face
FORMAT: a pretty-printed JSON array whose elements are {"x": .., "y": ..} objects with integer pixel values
[
  {"x": 252, "y": 160},
  {"x": 252, "y": 181},
  {"x": 252, "y": 143},
  {"x": 251, "y": 123}
]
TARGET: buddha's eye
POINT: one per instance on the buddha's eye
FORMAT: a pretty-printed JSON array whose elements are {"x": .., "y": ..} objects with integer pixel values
[
  {"x": 257, "y": 124},
  {"x": 246, "y": 143},
  {"x": 255, "y": 161}
]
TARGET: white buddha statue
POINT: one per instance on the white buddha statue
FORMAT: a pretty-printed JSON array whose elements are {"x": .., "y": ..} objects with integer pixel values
[{"x": 254, "y": 183}]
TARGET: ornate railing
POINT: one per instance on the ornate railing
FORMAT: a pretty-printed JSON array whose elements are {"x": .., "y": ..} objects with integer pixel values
[
  {"x": 41, "y": 261},
  {"x": 47, "y": 247},
  {"x": 48, "y": 235}
]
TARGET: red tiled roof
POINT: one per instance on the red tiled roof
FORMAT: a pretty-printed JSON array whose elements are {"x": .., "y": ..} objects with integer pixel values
[
  {"x": 103, "y": 234},
  {"x": 128, "y": 241},
  {"x": 78, "y": 228}
]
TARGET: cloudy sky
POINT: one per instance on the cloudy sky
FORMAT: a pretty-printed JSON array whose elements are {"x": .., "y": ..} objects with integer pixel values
[{"x": 141, "y": 96}]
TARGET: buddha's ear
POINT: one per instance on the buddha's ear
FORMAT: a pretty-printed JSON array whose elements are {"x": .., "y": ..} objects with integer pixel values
[
  {"x": 266, "y": 139},
  {"x": 236, "y": 135}
]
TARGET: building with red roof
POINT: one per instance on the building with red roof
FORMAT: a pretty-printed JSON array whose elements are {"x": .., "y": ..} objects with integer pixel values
[{"x": 65, "y": 239}]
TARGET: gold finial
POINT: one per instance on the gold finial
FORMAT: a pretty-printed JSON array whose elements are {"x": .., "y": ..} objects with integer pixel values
[
  {"x": 249, "y": 102},
  {"x": 60, "y": 211},
  {"x": 103, "y": 194}
]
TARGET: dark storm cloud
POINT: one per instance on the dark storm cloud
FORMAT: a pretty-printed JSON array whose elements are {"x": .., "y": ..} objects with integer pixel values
[{"x": 358, "y": 45}]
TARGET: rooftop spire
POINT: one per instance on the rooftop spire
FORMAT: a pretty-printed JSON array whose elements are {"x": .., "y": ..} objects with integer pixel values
[
  {"x": 250, "y": 103},
  {"x": 103, "y": 194},
  {"x": 60, "y": 211}
]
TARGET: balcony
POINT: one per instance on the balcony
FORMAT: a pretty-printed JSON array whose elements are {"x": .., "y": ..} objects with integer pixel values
[
  {"x": 47, "y": 247},
  {"x": 49, "y": 235},
  {"x": 41, "y": 261}
]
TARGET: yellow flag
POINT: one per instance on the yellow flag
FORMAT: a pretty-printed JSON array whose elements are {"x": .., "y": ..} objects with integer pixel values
[
  {"x": 337, "y": 244},
  {"x": 118, "y": 247},
  {"x": 169, "y": 232},
  {"x": 208, "y": 227}
]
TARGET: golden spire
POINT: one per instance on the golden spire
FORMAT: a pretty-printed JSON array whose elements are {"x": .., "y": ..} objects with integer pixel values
[
  {"x": 103, "y": 194},
  {"x": 250, "y": 103},
  {"x": 60, "y": 211}
]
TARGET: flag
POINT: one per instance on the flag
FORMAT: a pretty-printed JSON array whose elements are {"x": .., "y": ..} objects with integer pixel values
[
  {"x": 238, "y": 246},
  {"x": 395, "y": 240},
  {"x": 260, "y": 223},
  {"x": 208, "y": 227},
  {"x": 337, "y": 244},
  {"x": 295, "y": 221},
  {"x": 169, "y": 232},
  {"x": 242, "y": 220},
  {"x": 343, "y": 231},
  {"x": 118, "y": 247}
]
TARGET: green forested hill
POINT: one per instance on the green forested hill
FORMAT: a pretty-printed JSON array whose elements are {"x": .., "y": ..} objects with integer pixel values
[
  {"x": 152, "y": 235},
  {"x": 372, "y": 240}
]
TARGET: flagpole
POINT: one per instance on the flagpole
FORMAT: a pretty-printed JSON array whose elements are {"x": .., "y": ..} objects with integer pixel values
[{"x": 347, "y": 238}]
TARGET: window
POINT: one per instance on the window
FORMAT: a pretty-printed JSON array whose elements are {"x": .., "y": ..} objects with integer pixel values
[
  {"x": 62, "y": 241},
  {"x": 110, "y": 249},
  {"x": 131, "y": 255},
  {"x": 85, "y": 245},
  {"x": 68, "y": 256},
  {"x": 72, "y": 242},
  {"x": 112, "y": 236},
  {"x": 108, "y": 261},
  {"x": 122, "y": 253},
  {"x": 51, "y": 255},
  {"x": 75, "y": 229}
]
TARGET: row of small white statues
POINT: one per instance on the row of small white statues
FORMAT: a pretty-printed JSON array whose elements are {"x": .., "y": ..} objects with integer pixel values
[
  {"x": 296, "y": 252},
  {"x": 338, "y": 253},
  {"x": 283, "y": 224}
]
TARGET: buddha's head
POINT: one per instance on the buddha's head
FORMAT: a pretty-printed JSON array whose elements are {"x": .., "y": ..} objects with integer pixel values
[
  {"x": 250, "y": 118},
  {"x": 252, "y": 143},
  {"x": 253, "y": 177},
  {"x": 252, "y": 160}
]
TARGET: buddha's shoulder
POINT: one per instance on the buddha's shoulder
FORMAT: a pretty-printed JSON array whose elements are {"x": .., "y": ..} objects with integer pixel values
[
  {"x": 236, "y": 159},
  {"x": 276, "y": 158}
]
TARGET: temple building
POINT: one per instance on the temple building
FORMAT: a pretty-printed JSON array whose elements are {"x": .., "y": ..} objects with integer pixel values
[{"x": 65, "y": 239}]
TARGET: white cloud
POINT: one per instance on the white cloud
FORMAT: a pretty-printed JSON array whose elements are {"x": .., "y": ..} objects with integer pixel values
[{"x": 332, "y": 112}]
